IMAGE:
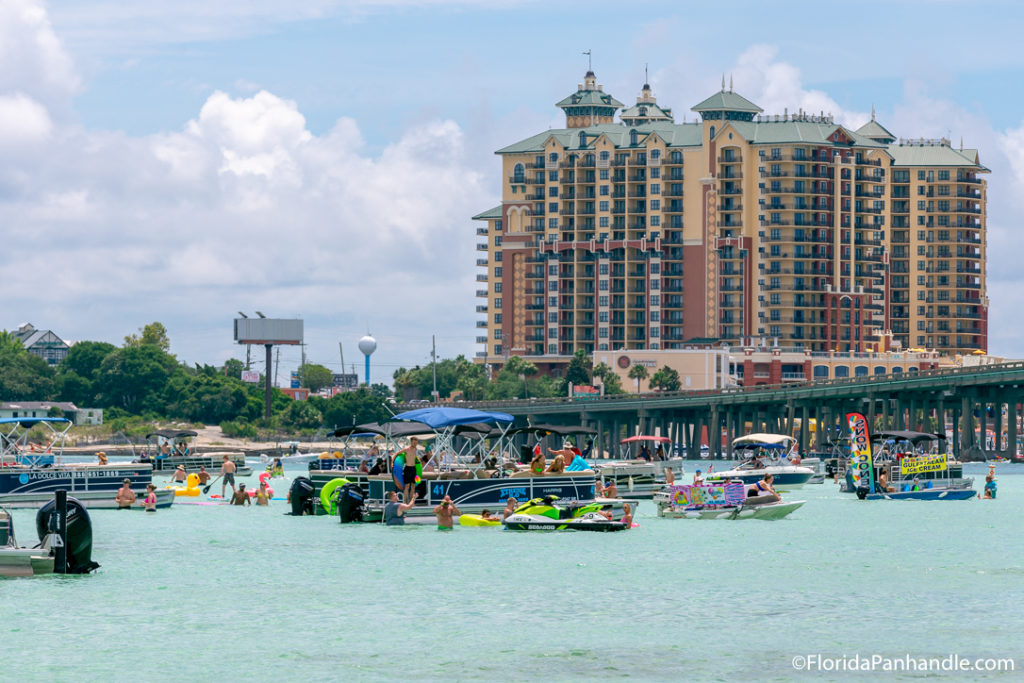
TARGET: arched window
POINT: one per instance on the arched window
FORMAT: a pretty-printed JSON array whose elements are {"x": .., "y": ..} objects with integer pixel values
[
  {"x": 712, "y": 136},
  {"x": 912, "y": 371},
  {"x": 879, "y": 369},
  {"x": 583, "y": 139},
  {"x": 518, "y": 174},
  {"x": 897, "y": 370},
  {"x": 860, "y": 371},
  {"x": 655, "y": 153},
  {"x": 553, "y": 156},
  {"x": 820, "y": 372},
  {"x": 842, "y": 371},
  {"x": 633, "y": 138}
]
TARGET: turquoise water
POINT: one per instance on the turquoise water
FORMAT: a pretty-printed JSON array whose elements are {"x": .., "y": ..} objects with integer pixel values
[{"x": 204, "y": 592}]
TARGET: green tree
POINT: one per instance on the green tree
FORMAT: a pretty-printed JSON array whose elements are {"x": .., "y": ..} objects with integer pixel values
[
  {"x": 611, "y": 382},
  {"x": 77, "y": 373},
  {"x": 153, "y": 334},
  {"x": 302, "y": 415},
  {"x": 666, "y": 379},
  {"x": 134, "y": 377},
  {"x": 579, "y": 371},
  {"x": 315, "y": 377},
  {"x": 233, "y": 368},
  {"x": 638, "y": 372},
  {"x": 24, "y": 376}
]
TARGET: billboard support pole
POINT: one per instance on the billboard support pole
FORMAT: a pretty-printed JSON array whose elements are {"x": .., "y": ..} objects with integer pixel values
[{"x": 270, "y": 360}]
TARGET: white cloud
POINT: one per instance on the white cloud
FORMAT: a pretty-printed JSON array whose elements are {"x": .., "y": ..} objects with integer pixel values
[
  {"x": 33, "y": 60},
  {"x": 23, "y": 121}
]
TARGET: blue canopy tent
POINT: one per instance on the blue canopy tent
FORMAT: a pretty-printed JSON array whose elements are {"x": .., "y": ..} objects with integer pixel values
[{"x": 447, "y": 422}]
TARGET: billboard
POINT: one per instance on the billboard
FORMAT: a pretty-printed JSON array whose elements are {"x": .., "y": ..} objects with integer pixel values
[
  {"x": 268, "y": 331},
  {"x": 250, "y": 376}
]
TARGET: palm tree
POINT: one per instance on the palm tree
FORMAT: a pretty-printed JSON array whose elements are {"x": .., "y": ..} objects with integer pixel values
[{"x": 638, "y": 372}]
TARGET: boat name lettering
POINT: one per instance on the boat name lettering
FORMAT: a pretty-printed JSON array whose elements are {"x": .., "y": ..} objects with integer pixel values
[
  {"x": 72, "y": 474},
  {"x": 517, "y": 492}
]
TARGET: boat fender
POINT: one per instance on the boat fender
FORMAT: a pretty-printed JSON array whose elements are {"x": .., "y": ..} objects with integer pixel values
[{"x": 327, "y": 494}]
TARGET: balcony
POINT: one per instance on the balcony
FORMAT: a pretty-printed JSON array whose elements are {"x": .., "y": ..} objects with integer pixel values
[
  {"x": 481, "y": 231},
  {"x": 482, "y": 293},
  {"x": 481, "y": 323},
  {"x": 481, "y": 309},
  {"x": 481, "y": 277},
  {"x": 481, "y": 246}
]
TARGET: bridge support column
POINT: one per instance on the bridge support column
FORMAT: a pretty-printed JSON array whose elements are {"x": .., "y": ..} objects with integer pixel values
[
  {"x": 966, "y": 424},
  {"x": 803, "y": 428},
  {"x": 982, "y": 441},
  {"x": 997, "y": 406},
  {"x": 1011, "y": 426},
  {"x": 715, "y": 434}
]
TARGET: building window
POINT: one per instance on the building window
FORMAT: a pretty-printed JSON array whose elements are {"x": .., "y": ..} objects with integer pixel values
[
  {"x": 552, "y": 191},
  {"x": 553, "y": 317},
  {"x": 655, "y": 299},
  {"x": 602, "y": 332},
  {"x": 497, "y": 333},
  {"x": 497, "y": 349},
  {"x": 603, "y": 221},
  {"x": 602, "y": 301},
  {"x": 604, "y": 155},
  {"x": 497, "y": 272},
  {"x": 604, "y": 191},
  {"x": 602, "y": 205},
  {"x": 602, "y": 317},
  {"x": 655, "y": 316},
  {"x": 497, "y": 302},
  {"x": 602, "y": 285},
  {"x": 497, "y": 288},
  {"x": 655, "y": 221},
  {"x": 552, "y": 333},
  {"x": 497, "y": 318},
  {"x": 553, "y": 223},
  {"x": 603, "y": 174},
  {"x": 842, "y": 371},
  {"x": 655, "y": 172},
  {"x": 655, "y": 188},
  {"x": 655, "y": 332},
  {"x": 518, "y": 174}
]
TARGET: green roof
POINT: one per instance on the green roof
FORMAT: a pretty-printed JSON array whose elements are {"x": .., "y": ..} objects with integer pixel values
[
  {"x": 727, "y": 101},
  {"x": 654, "y": 112},
  {"x": 590, "y": 97},
  {"x": 933, "y": 155},
  {"x": 674, "y": 134},
  {"x": 873, "y": 129},
  {"x": 489, "y": 213},
  {"x": 769, "y": 132}
]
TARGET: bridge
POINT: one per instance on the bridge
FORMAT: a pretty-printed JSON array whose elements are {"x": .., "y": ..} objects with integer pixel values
[{"x": 971, "y": 399}]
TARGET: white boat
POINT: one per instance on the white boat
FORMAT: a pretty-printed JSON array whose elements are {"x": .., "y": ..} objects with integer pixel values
[
  {"x": 765, "y": 456},
  {"x": 62, "y": 550}
]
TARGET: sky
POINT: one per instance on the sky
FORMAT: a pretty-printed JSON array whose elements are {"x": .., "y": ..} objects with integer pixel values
[{"x": 183, "y": 160}]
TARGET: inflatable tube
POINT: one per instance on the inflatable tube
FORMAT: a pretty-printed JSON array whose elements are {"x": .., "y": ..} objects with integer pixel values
[
  {"x": 477, "y": 520},
  {"x": 399, "y": 465},
  {"x": 327, "y": 494},
  {"x": 186, "y": 491},
  {"x": 264, "y": 476}
]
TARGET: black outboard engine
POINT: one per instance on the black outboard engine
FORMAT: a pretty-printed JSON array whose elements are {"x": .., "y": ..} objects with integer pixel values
[
  {"x": 350, "y": 503},
  {"x": 79, "y": 534},
  {"x": 862, "y": 492},
  {"x": 301, "y": 496},
  {"x": 525, "y": 454}
]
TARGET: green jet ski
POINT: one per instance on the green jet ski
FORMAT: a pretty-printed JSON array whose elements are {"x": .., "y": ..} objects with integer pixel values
[{"x": 543, "y": 514}]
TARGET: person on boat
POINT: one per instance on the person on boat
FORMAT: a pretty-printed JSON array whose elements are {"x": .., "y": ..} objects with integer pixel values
[
  {"x": 179, "y": 474},
  {"x": 165, "y": 451},
  {"x": 883, "y": 483},
  {"x": 557, "y": 465},
  {"x": 577, "y": 464},
  {"x": 764, "y": 487},
  {"x": 606, "y": 513},
  {"x": 444, "y": 513},
  {"x": 670, "y": 476},
  {"x": 101, "y": 458},
  {"x": 262, "y": 494},
  {"x": 588, "y": 449},
  {"x": 394, "y": 511},
  {"x": 915, "y": 485},
  {"x": 125, "y": 496},
  {"x": 150, "y": 500},
  {"x": 659, "y": 453},
  {"x": 203, "y": 475},
  {"x": 241, "y": 496},
  {"x": 144, "y": 458},
  {"x": 409, "y": 470},
  {"x": 538, "y": 463},
  {"x": 611, "y": 490},
  {"x": 181, "y": 449},
  {"x": 277, "y": 468},
  {"x": 627, "y": 515},
  {"x": 697, "y": 479},
  {"x": 644, "y": 453},
  {"x": 227, "y": 472},
  {"x": 510, "y": 507}
]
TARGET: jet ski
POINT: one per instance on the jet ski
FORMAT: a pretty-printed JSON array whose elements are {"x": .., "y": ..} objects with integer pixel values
[{"x": 542, "y": 513}]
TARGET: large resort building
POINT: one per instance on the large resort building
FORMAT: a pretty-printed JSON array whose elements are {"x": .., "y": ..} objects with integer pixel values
[{"x": 651, "y": 234}]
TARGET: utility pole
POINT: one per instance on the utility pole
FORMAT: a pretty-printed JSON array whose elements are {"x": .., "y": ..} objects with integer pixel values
[
  {"x": 433, "y": 364},
  {"x": 277, "y": 365}
]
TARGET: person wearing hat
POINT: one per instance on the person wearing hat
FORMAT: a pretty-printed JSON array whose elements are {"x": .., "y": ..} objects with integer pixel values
[
  {"x": 125, "y": 496},
  {"x": 179, "y": 474},
  {"x": 697, "y": 479},
  {"x": 102, "y": 457}
]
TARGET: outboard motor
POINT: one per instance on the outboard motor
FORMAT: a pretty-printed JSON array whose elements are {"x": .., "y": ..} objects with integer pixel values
[
  {"x": 350, "y": 503},
  {"x": 301, "y": 496},
  {"x": 525, "y": 454},
  {"x": 79, "y": 534},
  {"x": 862, "y": 492}
]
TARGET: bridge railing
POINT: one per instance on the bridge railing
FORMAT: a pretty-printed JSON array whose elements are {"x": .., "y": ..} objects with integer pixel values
[{"x": 902, "y": 379}]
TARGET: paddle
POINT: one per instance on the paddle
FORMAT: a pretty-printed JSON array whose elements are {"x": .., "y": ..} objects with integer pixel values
[{"x": 206, "y": 489}]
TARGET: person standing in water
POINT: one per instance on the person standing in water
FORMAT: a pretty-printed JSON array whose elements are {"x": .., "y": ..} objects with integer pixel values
[
  {"x": 241, "y": 496},
  {"x": 262, "y": 494},
  {"x": 125, "y": 496},
  {"x": 444, "y": 513},
  {"x": 150, "y": 500},
  {"x": 227, "y": 471}
]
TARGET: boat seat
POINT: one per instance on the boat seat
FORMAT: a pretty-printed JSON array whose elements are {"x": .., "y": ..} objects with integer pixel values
[
  {"x": 522, "y": 474},
  {"x": 456, "y": 474},
  {"x": 760, "y": 500},
  {"x": 484, "y": 474}
]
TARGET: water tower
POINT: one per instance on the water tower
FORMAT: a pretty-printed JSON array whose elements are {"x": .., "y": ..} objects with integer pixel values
[{"x": 367, "y": 345}]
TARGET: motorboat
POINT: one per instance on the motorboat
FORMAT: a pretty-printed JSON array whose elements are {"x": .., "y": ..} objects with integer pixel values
[
  {"x": 31, "y": 473},
  {"x": 172, "y": 449},
  {"x": 720, "y": 501},
  {"x": 765, "y": 454},
  {"x": 65, "y": 534},
  {"x": 544, "y": 514}
]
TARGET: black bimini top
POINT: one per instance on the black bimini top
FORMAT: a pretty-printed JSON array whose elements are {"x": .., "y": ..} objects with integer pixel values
[{"x": 172, "y": 433}]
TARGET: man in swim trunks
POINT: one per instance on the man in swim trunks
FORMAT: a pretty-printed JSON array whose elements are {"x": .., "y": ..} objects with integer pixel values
[
  {"x": 444, "y": 513},
  {"x": 227, "y": 470},
  {"x": 394, "y": 512},
  {"x": 125, "y": 496},
  {"x": 510, "y": 508},
  {"x": 240, "y": 497},
  {"x": 409, "y": 471},
  {"x": 204, "y": 476}
]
